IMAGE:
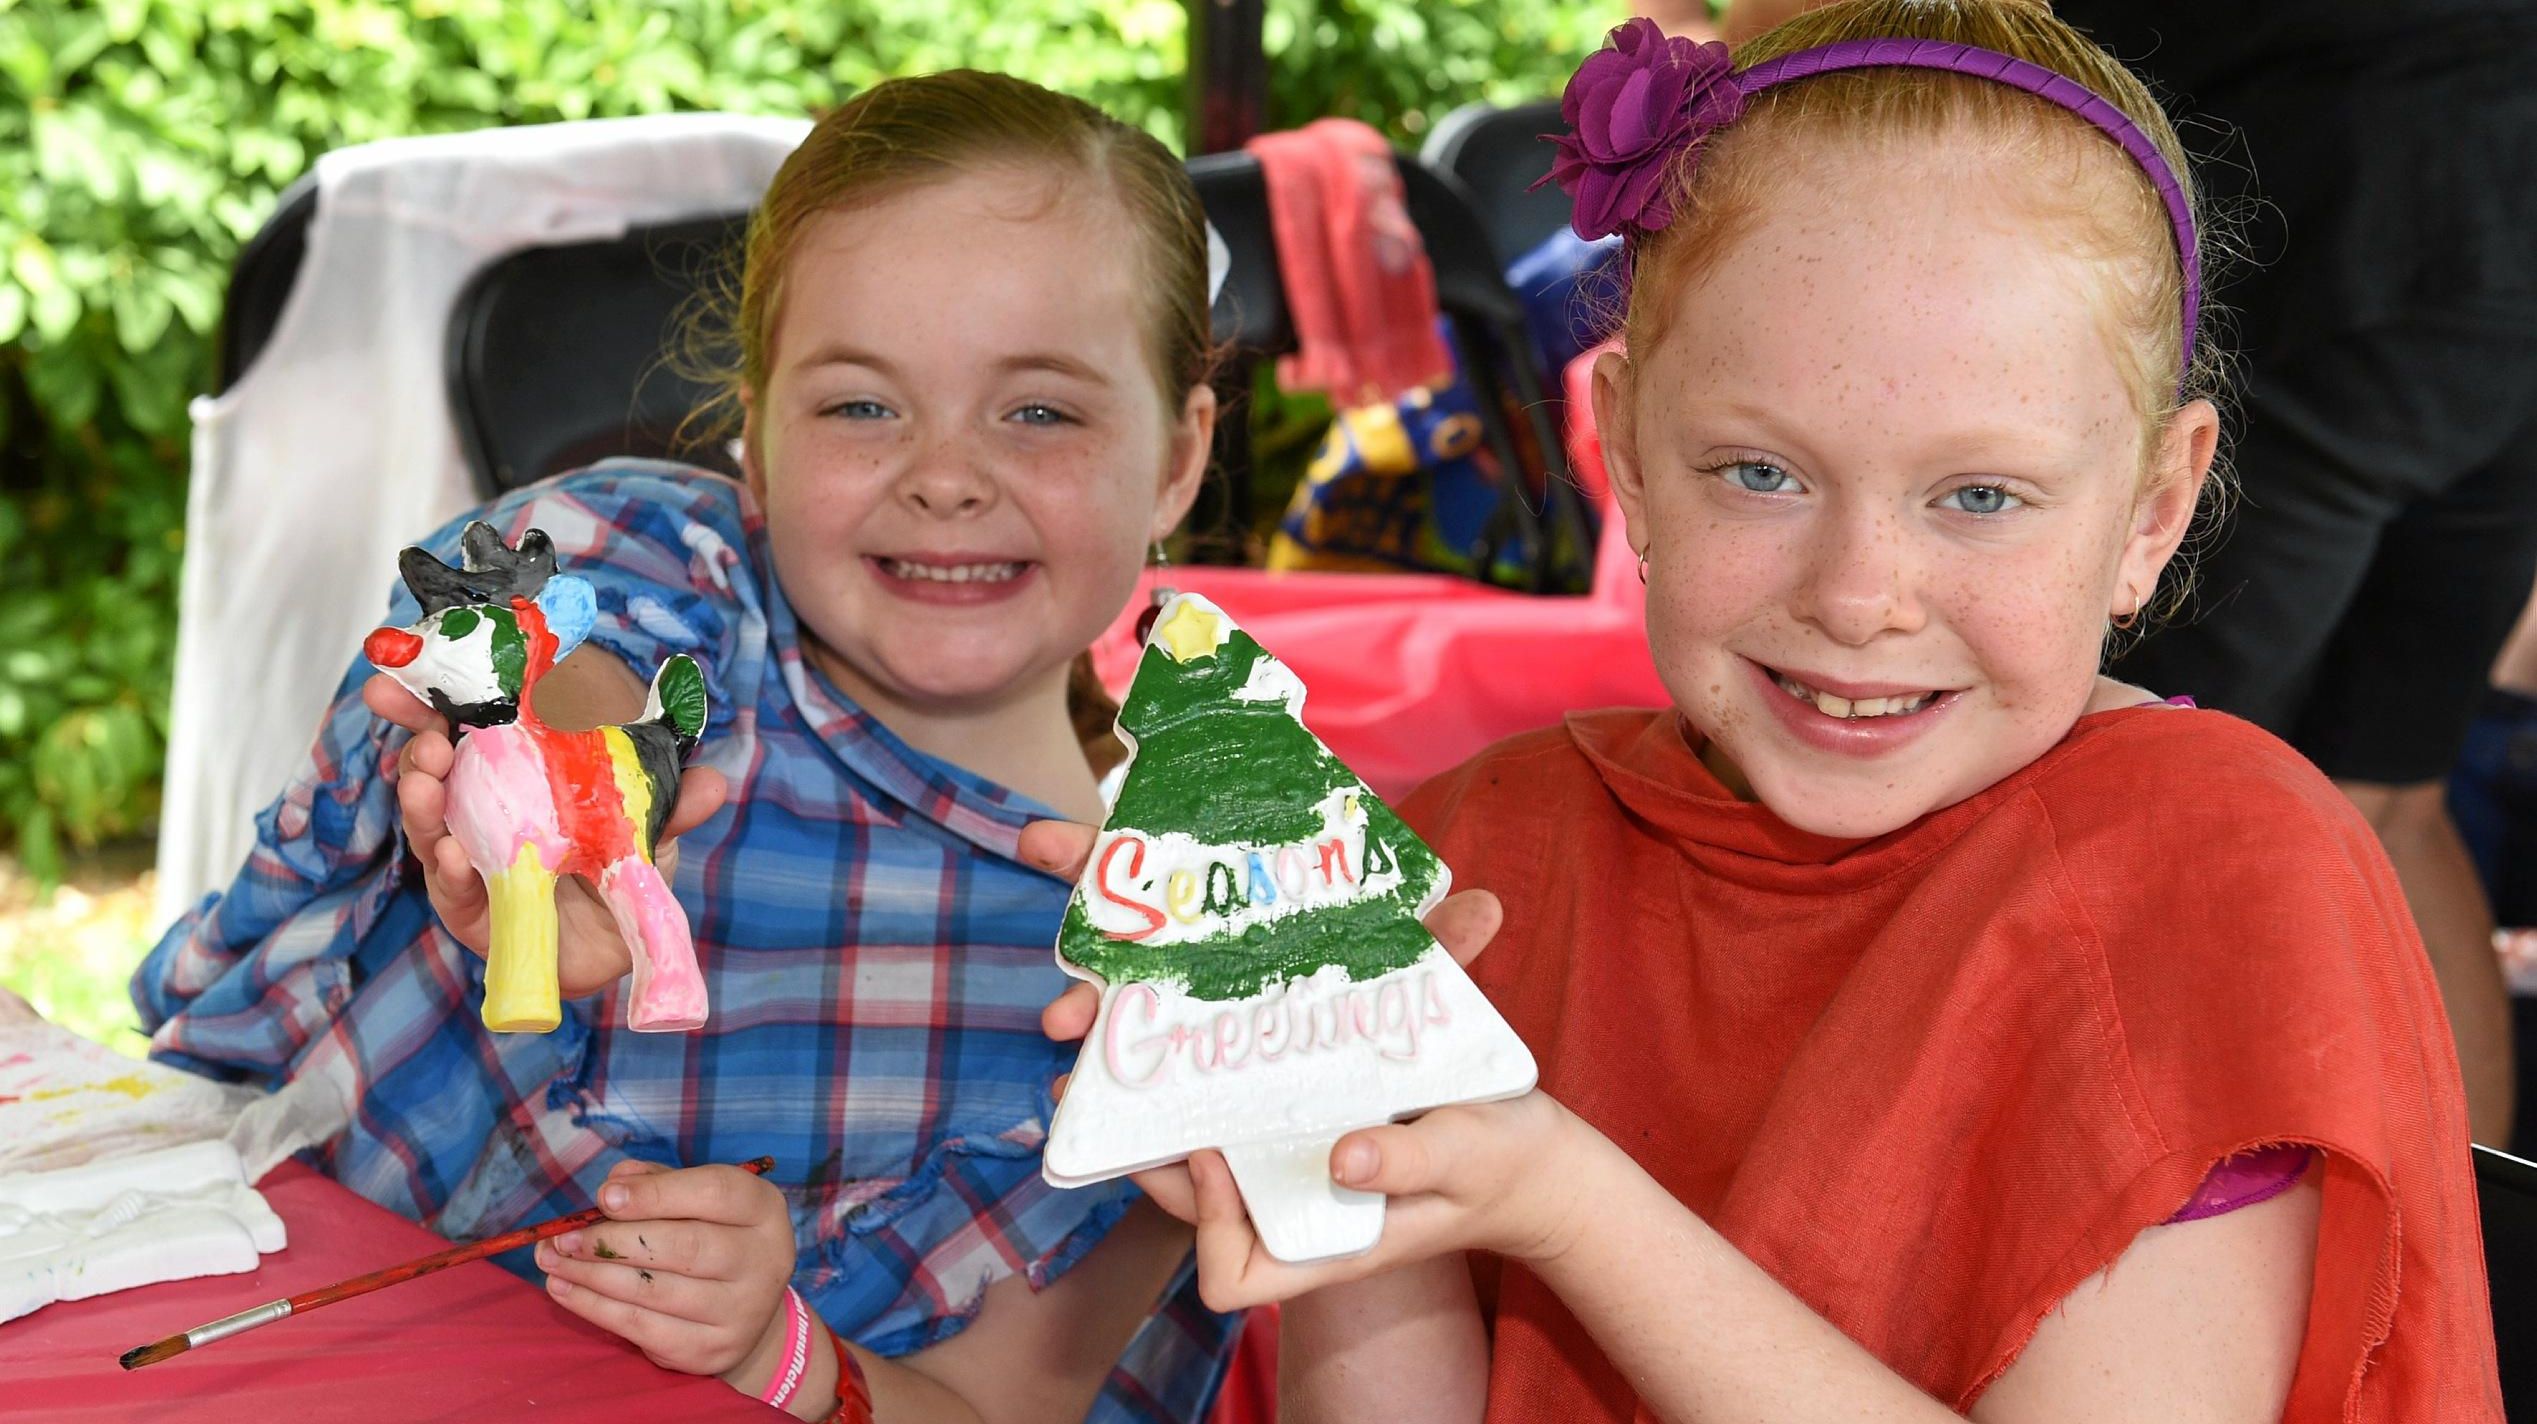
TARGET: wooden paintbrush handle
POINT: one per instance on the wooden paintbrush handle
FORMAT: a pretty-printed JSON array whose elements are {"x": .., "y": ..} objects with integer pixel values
[
  {"x": 474, "y": 1251},
  {"x": 271, "y": 1311},
  {"x": 442, "y": 1260}
]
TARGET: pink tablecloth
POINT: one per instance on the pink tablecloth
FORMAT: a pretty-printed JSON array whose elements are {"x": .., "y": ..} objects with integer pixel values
[{"x": 473, "y": 1344}]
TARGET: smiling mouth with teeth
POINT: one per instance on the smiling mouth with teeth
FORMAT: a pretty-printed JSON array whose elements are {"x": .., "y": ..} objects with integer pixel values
[
  {"x": 1847, "y": 709},
  {"x": 952, "y": 573}
]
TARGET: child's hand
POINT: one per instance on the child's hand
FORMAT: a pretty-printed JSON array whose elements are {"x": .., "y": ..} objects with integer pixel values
[
  {"x": 690, "y": 1267},
  {"x": 590, "y": 953},
  {"x": 1510, "y": 1178},
  {"x": 1461, "y": 1177}
]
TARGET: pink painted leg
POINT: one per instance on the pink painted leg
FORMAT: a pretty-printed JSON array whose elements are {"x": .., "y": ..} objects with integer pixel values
[{"x": 669, "y": 990}]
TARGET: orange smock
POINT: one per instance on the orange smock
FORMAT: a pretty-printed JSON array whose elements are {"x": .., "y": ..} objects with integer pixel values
[{"x": 1934, "y": 1080}]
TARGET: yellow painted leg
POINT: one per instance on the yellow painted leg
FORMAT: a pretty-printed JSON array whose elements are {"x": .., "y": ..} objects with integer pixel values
[{"x": 519, "y": 979}]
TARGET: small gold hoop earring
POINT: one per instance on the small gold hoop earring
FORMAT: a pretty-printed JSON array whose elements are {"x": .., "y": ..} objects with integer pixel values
[{"x": 1642, "y": 567}]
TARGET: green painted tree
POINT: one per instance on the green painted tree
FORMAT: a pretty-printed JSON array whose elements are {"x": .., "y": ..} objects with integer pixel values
[{"x": 1223, "y": 758}]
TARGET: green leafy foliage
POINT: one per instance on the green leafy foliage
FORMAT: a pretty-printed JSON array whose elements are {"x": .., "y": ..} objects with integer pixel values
[
  {"x": 1402, "y": 64},
  {"x": 70, "y": 949},
  {"x": 142, "y": 141}
]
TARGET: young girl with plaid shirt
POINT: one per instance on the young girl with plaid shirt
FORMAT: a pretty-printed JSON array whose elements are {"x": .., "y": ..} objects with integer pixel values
[{"x": 971, "y": 348}]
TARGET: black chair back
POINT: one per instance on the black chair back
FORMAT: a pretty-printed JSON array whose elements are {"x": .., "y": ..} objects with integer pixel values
[
  {"x": 260, "y": 282},
  {"x": 1250, "y": 314},
  {"x": 1518, "y": 421},
  {"x": 2506, "y": 1191},
  {"x": 1499, "y": 154},
  {"x": 559, "y": 356}
]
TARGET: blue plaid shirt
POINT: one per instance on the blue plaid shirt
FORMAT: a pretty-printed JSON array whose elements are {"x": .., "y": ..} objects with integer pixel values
[{"x": 877, "y": 959}]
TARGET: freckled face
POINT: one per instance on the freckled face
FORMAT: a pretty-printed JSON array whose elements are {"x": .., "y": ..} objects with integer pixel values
[
  {"x": 1888, "y": 475},
  {"x": 961, "y": 449}
]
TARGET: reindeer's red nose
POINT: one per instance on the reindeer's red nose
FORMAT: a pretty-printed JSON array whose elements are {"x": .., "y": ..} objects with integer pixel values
[{"x": 390, "y": 647}]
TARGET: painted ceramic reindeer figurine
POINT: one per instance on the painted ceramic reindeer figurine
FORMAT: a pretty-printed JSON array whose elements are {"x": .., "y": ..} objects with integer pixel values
[{"x": 530, "y": 803}]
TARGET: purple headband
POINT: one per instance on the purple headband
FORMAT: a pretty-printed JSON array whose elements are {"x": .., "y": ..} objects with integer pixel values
[{"x": 1647, "y": 96}]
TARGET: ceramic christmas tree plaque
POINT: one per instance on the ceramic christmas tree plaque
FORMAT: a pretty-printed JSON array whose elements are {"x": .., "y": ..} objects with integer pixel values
[{"x": 1251, "y": 913}]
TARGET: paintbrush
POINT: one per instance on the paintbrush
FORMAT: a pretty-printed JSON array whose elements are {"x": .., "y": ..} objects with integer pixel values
[{"x": 266, "y": 1314}]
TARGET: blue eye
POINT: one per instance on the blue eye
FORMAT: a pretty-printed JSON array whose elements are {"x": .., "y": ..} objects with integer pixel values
[
  {"x": 1758, "y": 478},
  {"x": 860, "y": 410},
  {"x": 1981, "y": 499},
  {"x": 1040, "y": 413}
]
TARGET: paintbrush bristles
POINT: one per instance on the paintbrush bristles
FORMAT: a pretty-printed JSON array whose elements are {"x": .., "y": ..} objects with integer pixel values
[
  {"x": 220, "y": 1329},
  {"x": 151, "y": 1354}
]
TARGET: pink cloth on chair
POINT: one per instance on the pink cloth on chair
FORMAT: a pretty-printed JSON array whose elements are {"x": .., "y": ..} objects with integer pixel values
[{"x": 1356, "y": 275}]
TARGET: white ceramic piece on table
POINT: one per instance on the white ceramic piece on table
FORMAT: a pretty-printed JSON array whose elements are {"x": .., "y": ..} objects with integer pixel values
[
  {"x": 167, "y": 1215},
  {"x": 488, "y": 632},
  {"x": 1251, "y": 912}
]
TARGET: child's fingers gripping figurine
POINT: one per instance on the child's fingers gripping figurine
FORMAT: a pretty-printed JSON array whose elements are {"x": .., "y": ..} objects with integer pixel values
[
  {"x": 969, "y": 359},
  {"x": 1927, "y": 1025}
]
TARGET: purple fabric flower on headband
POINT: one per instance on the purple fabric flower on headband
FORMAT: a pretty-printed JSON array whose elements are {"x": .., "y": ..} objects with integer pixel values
[{"x": 1633, "y": 106}]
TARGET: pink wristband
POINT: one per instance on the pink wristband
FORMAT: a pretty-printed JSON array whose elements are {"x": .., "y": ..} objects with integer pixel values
[{"x": 779, "y": 1390}]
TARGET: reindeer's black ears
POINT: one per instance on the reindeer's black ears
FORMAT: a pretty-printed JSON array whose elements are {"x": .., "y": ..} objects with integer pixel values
[
  {"x": 495, "y": 572},
  {"x": 501, "y": 573},
  {"x": 481, "y": 545},
  {"x": 435, "y": 585},
  {"x": 535, "y": 563}
]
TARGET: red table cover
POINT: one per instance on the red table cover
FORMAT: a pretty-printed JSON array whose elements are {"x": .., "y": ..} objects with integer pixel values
[{"x": 473, "y": 1343}]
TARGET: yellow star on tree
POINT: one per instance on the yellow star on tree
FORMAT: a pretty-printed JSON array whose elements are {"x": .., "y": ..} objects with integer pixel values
[{"x": 1193, "y": 631}]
